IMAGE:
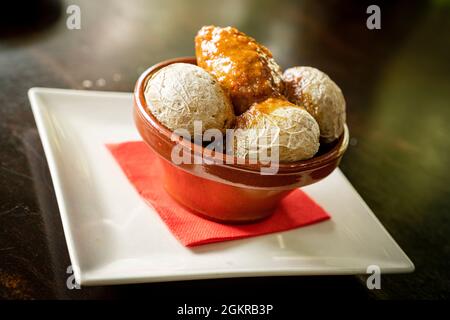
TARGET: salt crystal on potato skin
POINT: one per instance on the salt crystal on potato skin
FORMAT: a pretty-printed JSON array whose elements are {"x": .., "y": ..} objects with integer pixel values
[
  {"x": 181, "y": 93},
  {"x": 321, "y": 97}
]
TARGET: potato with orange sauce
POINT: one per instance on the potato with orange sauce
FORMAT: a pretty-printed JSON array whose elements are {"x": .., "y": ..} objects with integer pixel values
[{"x": 244, "y": 68}]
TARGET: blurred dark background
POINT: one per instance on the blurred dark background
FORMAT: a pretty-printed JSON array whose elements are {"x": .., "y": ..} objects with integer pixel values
[{"x": 396, "y": 82}]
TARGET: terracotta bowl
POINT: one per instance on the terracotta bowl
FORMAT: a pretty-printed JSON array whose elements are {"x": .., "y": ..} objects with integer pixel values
[{"x": 229, "y": 193}]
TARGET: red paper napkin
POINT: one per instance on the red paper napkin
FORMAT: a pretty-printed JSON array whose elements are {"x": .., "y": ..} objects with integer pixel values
[{"x": 141, "y": 166}]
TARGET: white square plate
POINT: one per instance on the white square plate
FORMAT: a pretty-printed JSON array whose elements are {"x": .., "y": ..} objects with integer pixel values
[{"x": 114, "y": 237}]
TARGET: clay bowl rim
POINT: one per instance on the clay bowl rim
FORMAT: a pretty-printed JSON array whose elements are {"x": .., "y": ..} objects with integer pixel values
[{"x": 220, "y": 158}]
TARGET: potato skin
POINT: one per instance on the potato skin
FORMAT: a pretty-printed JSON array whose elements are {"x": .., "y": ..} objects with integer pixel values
[
  {"x": 244, "y": 68},
  {"x": 320, "y": 96},
  {"x": 296, "y": 130},
  {"x": 181, "y": 93}
]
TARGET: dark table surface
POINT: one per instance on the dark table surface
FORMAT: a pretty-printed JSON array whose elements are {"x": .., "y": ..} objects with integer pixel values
[{"x": 397, "y": 86}]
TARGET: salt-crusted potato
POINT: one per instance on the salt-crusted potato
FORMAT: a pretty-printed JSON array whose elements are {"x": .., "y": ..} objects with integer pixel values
[
  {"x": 322, "y": 98},
  {"x": 181, "y": 93},
  {"x": 284, "y": 125},
  {"x": 244, "y": 68}
]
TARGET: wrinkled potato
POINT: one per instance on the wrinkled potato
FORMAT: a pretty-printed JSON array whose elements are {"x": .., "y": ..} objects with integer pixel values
[
  {"x": 321, "y": 97},
  {"x": 181, "y": 93},
  {"x": 284, "y": 125},
  {"x": 244, "y": 68}
]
